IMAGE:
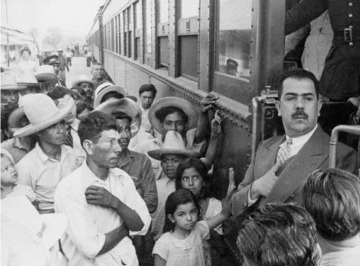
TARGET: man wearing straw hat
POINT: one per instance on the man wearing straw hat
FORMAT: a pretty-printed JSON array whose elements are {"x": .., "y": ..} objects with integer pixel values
[
  {"x": 45, "y": 165},
  {"x": 170, "y": 155},
  {"x": 128, "y": 117},
  {"x": 47, "y": 78},
  {"x": 101, "y": 201},
  {"x": 178, "y": 114},
  {"x": 87, "y": 85},
  {"x": 53, "y": 60}
]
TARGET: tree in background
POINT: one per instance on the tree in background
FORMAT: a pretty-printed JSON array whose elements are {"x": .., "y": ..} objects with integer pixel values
[{"x": 53, "y": 37}]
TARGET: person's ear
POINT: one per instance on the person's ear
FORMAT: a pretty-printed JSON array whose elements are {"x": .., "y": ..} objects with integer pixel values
[
  {"x": 277, "y": 105},
  {"x": 171, "y": 218},
  {"x": 88, "y": 146}
]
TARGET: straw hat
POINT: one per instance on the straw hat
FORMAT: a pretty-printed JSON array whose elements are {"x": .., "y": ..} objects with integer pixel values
[
  {"x": 177, "y": 102},
  {"x": 173, "y": 144},
  {"x": 98, "y": 97},
  {"x": 18, "y": 212},
  {"x": 25, "y": 77},
  {"x": 83, "y": 79},
  {"x": 124, "y": 106},
  {"x": 9, "y": 82},
  {"x": 42, "y": 113},
  {"x": 51, "y": 60},
  {"x": 46, "y": 74},
  {"x": 101, "y": 87}
]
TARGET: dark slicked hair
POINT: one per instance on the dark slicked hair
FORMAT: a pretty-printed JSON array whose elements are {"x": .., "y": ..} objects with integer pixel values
[
  {"x": 332, "y": 197},
  {"x": 175, "y": 199},
  {"x": 298, "y": 74},
  {"x": 279, "y": 235},
  {"x": 201, "y": 168},
  {"x": 93, "y": 124},
  {"x": 148, "y": 87},
  {"x": 163, "y": 112}
]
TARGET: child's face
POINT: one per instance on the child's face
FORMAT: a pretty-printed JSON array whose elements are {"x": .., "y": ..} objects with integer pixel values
[
  {"x": 192, "y": 180},
  {"x": 185, "y": 217},
  {"x": 8, "y": 172}
]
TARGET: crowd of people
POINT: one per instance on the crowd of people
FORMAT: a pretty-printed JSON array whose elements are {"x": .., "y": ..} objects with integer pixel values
[{"x": 90, "y": 176}]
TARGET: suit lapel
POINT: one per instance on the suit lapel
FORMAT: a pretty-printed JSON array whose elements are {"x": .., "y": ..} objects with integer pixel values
[
  {"x": 266, "y": 157},
  {"x": 309, "y": 158}
]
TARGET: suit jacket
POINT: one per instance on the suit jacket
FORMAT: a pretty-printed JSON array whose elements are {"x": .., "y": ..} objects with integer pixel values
[{"x": 288, "y": 188}]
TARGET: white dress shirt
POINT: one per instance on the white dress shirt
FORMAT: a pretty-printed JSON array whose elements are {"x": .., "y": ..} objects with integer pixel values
[
  {"x": 43, "y": 173},
  {"x": 88, "y": 224}
]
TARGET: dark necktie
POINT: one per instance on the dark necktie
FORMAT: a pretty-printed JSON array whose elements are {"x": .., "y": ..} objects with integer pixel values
[{"x": 69, "y": 138}]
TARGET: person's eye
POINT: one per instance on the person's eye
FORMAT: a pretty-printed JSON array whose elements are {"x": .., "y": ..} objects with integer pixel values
[
  {"x": 194, "y": 211},
  {"x": 195, "y": 178},
  {"x": 185, "y": 178}
]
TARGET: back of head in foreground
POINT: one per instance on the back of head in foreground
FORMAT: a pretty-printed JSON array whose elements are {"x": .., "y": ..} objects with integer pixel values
[
  {"x": 332, "y": 197},
  {"x": 279, "y": 235}
]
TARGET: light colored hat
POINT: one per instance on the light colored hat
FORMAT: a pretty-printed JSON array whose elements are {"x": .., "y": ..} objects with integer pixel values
[
  {"x": 98, "y": 97},
  {"x": 46, "y": 74},
  {"x": 25, "y": 77},
  {"x": 101, "y": 87},
  {"x": 173, "y": 144},
  {"x": 83, "y": 79},
  {"x": 22, "y": 214},
  {"x": 9, "y": 82},
  {"x": 124, "y": 106},
  {"x": 177, "y": 102},
  {"x": 15, "y": 118},
  {"x": 42, "y": 112}
]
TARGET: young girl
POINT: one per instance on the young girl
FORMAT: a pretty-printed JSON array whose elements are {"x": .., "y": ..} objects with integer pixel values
[
  {"x": 181, "y": 242},
  {"x": 192, "y": 174},
  {"x": 9, "y": 175}
]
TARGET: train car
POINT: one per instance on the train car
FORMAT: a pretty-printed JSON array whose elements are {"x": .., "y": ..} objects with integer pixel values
[{"x": 187, "y": 48}]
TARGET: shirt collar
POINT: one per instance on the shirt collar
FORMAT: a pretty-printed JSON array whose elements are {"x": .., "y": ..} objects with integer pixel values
[
  {"x": 88, "y": 176},
  {"x": 302, "y": 139},
  {"x": 43, "y": 157}
]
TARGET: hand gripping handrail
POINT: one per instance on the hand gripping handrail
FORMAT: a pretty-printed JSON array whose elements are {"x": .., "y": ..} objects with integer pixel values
[{"x": 334, "y": 140}]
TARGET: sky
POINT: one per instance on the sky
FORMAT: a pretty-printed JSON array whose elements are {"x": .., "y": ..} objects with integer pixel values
[{"x": 75, "y": 17}]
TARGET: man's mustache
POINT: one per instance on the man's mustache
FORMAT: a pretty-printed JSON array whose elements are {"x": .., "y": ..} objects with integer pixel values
[{"x": 299, "y": 113}]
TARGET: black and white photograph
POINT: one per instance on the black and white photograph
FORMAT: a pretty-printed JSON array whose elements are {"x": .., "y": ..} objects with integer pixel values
[{"x": 180, "y": 133}]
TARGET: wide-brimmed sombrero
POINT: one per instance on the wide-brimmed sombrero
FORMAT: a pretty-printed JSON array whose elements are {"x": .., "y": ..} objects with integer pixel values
[
  {"x": 124, "y": 106},
  {"x": 83, "y": 79},
  {"x": 17, "y": 212},
  {"x": 25, "y": 77},
  {"x": 177, "y": 102},
  {"x": 173, "y": 144},
  {"x": 42, "y": 112},
  {"x": 9, "y": 82},
  {"x": 46, "y": 74},
  {"x": 98, "y": 98}
]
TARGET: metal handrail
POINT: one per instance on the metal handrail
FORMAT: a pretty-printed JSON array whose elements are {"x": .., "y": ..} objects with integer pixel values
[{"x": 334, "y": 140}]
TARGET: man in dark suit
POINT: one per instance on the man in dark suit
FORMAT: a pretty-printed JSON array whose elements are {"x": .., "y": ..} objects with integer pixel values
[{"x": 283, "y": 163}]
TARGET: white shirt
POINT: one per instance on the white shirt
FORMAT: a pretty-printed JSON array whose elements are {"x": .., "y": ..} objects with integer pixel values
[
  {"x": 43, "y": 173},
  {"x": 165, "y": 187},
  {"x": 88, "y": 224},
  {"x": 78, "y": 149}
]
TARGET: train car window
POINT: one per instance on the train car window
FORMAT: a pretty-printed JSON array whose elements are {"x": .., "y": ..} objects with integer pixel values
[
  {"x": 189, "y": 8},
  {"x": 233, "y": 42},
  {"x": 232, "y": 61},
  {"x": 125, "y": 25},
  {"x": 148, "y": 24},
  {"x": 189, "y": 54},
  {"x": 112, "y": 35},
  {"x": 164, "y": 51},
  {"x": 188, "y": 30},
  {"x": 138, "y": 27},
  {"x": 130, "y": 27},
  {"x": 163, "y": 33}
]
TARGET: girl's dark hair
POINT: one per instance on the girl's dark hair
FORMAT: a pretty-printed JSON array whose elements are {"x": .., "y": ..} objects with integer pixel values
[
  {"x": 201, "y": 169},
  {"x": 178, "y": 197}
]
